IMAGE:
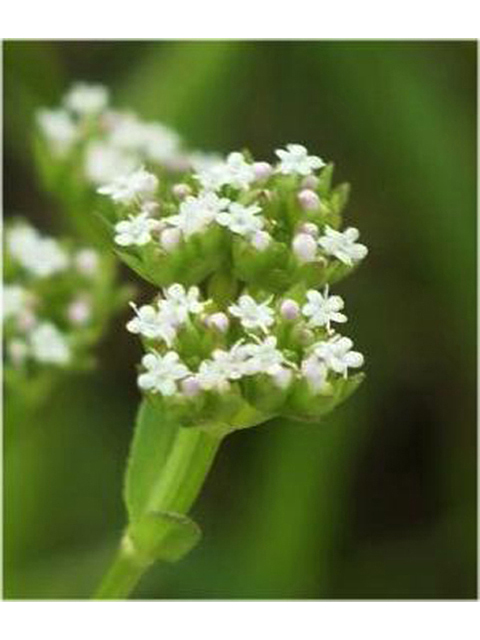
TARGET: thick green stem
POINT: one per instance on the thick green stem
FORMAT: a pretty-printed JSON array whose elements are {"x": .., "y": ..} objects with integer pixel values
[{"x": 178, "y": 485}]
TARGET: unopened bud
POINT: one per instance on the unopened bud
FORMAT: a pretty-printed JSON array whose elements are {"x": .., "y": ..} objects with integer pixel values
[
  {"x": 181, "y": 190},
  {"x": 190, "y": 387},
  {"x": 79, "y": 312},
  {"x": 170, "y": 238},
  {"x": 310, "y": 228},
  {"x": 218, "y": 321},
  {"x": 290, "y": 310},
  {"x": 283, "y": 378},
  {"x": 26, "y": 320},
  {"x": 304, "y": 247},
  {"x": 262, "y": 170},
  {"x": 315, "y": 373},
  {"x": 261, "y": 240},
  {"x": 310, "y": 182},
  {"x": 86, "y": 261},
  {"x": 308, "y": 199},
  {"x": 17, "y": 350}
]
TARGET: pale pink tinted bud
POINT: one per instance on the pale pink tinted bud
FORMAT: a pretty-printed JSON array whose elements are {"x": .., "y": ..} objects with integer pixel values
[
  {"x": 308, "y": 200},
  {"x": 289, "y": 309},
  {"x": 310, "y": 182},
  {"x": 150, "y": 206},
  {"x": 17, "y": 350},
  {"x": 181, "y": 190},
  {"x": 86, "y": 261},
  {"x": 169, "y": 239},
  {"x": 262, "y": 170},
  {"x": 218, "y": 321},
  {"x": 26, "y": 320},
  {"x": 190, "y": 387},
  {"x": 283, "y": 378},
  {"x": 261, "y": 240},
  {"x": 79, "y": 312},
  {"x": 304, "y": 247},
  {"x": 310, "y": 228}
]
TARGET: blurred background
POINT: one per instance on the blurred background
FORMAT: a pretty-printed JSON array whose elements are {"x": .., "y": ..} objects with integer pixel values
[{"x": 378, "y": 500}]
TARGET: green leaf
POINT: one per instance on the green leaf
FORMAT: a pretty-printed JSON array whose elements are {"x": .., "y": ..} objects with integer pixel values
[
  {"x": 152, "y": 441},
  {"x": 165, "y": 536},
  {"x": 340, "y": 197}
]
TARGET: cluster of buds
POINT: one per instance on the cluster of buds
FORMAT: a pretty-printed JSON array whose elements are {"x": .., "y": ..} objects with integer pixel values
[
  {"x": 240, "y": 249},
  {"x": 57, "y": 299},
  {"x": 86, "y": 141}
]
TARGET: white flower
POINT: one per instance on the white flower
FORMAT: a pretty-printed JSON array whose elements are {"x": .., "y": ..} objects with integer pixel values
[
  {"x": 86, "y": 261},
  {"x": 343, "y": 245},
  {"x": 223, "y": 367},
  {"x": 126, "y": 131},
  {"x": 152, "y": 323},
  {"x": 179, "y": 303},
  {"x": 49, "y": 345},
  {"x": 323, "y": 309},
  {"x": 240, "y": 219},
  {"x": 252, "y": 314},
  {"x": 264, "y": 357},
  {"x": 234, "y": 171},
  {"x": 42, "y": 256},
  {"x": 136, "y": 230},
  {"x": 162, "y": 373},
  {"x": 15, "y": 300},
  {"x": 315, "y": 372},
  {"x": 296, "y": 160},
  {"x": 196, "y": 213},
  {"x": 59, "y": 129},
  {"x": 104, "y": 162},
  {"x": 337, "y": 355},
  {"x": 139, "y": 184},
  {"x": 161, "y": 143},
  {"x": 86, "y": 99}
]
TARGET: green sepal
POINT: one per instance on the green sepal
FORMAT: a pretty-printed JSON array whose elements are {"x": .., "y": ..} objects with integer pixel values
[{"x": 165, "y": 536}]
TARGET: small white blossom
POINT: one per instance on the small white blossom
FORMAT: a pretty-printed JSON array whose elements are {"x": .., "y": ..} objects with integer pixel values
[
  {"x": 15, "y": 300},
  {"x": 179, "y": 302},
  {"x": 137, "y": 230},
  {"x": 322, "y": 309},
  {"x": 162, "y": 373},
  {"x": 252, "y": 314},
  {"x": 265, "y": 357},
  {"x": 58, "y": 128},
  {"x": 42, "y": 256},
  {"x": 337, "y": 354},
  {"x": 223, "y": 367},
  {"x": 295, "y": 160},
  {"x": 152, "y": 323},
  {"x": 86, "y": 261},
  {"x": 315, "y": 372},
  {"x": 161, "y": 143},
  {"x": 139, "y": 184},
  {"x": 234, "y": 171},
  {"x": 87, "y": 99},
  {"x": 196, "y": 213},
  {"x": 241, "y": 219},
  {"x": 49, "y": 345},
  {"x": 104, "y": 162},
  {"x": 343, "y": 245}
]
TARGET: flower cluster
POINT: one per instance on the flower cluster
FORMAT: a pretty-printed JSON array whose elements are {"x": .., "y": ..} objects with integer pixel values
[
  {"x": 86, "y": 133},
  {"x": 57, "y": 299},
  {"x": 279, "y": 355},
  {"x": 244, "y": 252},
  {"x": 268, "y": 225}
]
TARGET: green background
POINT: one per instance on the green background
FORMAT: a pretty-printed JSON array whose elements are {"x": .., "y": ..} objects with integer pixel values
[{"x": 378, "y": 500}]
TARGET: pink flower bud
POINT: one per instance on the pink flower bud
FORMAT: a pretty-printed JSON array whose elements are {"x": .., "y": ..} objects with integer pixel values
[
  {"x": 283, "y": 378},
  {"x": 26, "y": 320},
  {"x": 310, "y": 228},
  {"x": 170, "y": 238},
  {"x": 262, "y": 170},
  {"x": 86, "y": 261},
  {"x": 308, "y": 199},
  {"x": 181, "y": 190},
  {"x": 261, "y": 240},
  {"x": 17, "y": 350},
  {"x": 190, "y": 387},
  {"x": 218, "y": 321},
  {"x": 290, "y": 310},
  {"x": 310, "y": 182},
  {"x": 304, "y": 247},
  {"x": 79, "y": 312}
]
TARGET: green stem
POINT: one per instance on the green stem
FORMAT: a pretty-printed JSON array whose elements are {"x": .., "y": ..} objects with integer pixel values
[{"x": 175, "y": 490}]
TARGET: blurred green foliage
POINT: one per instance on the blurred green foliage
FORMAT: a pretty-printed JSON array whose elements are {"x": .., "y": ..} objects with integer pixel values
[{"x": 379, "y": 500}]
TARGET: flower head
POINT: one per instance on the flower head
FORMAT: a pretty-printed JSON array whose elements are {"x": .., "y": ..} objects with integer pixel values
[
  {"x": 295, "y": 160},
  {"x": 343, "y": 245}
]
